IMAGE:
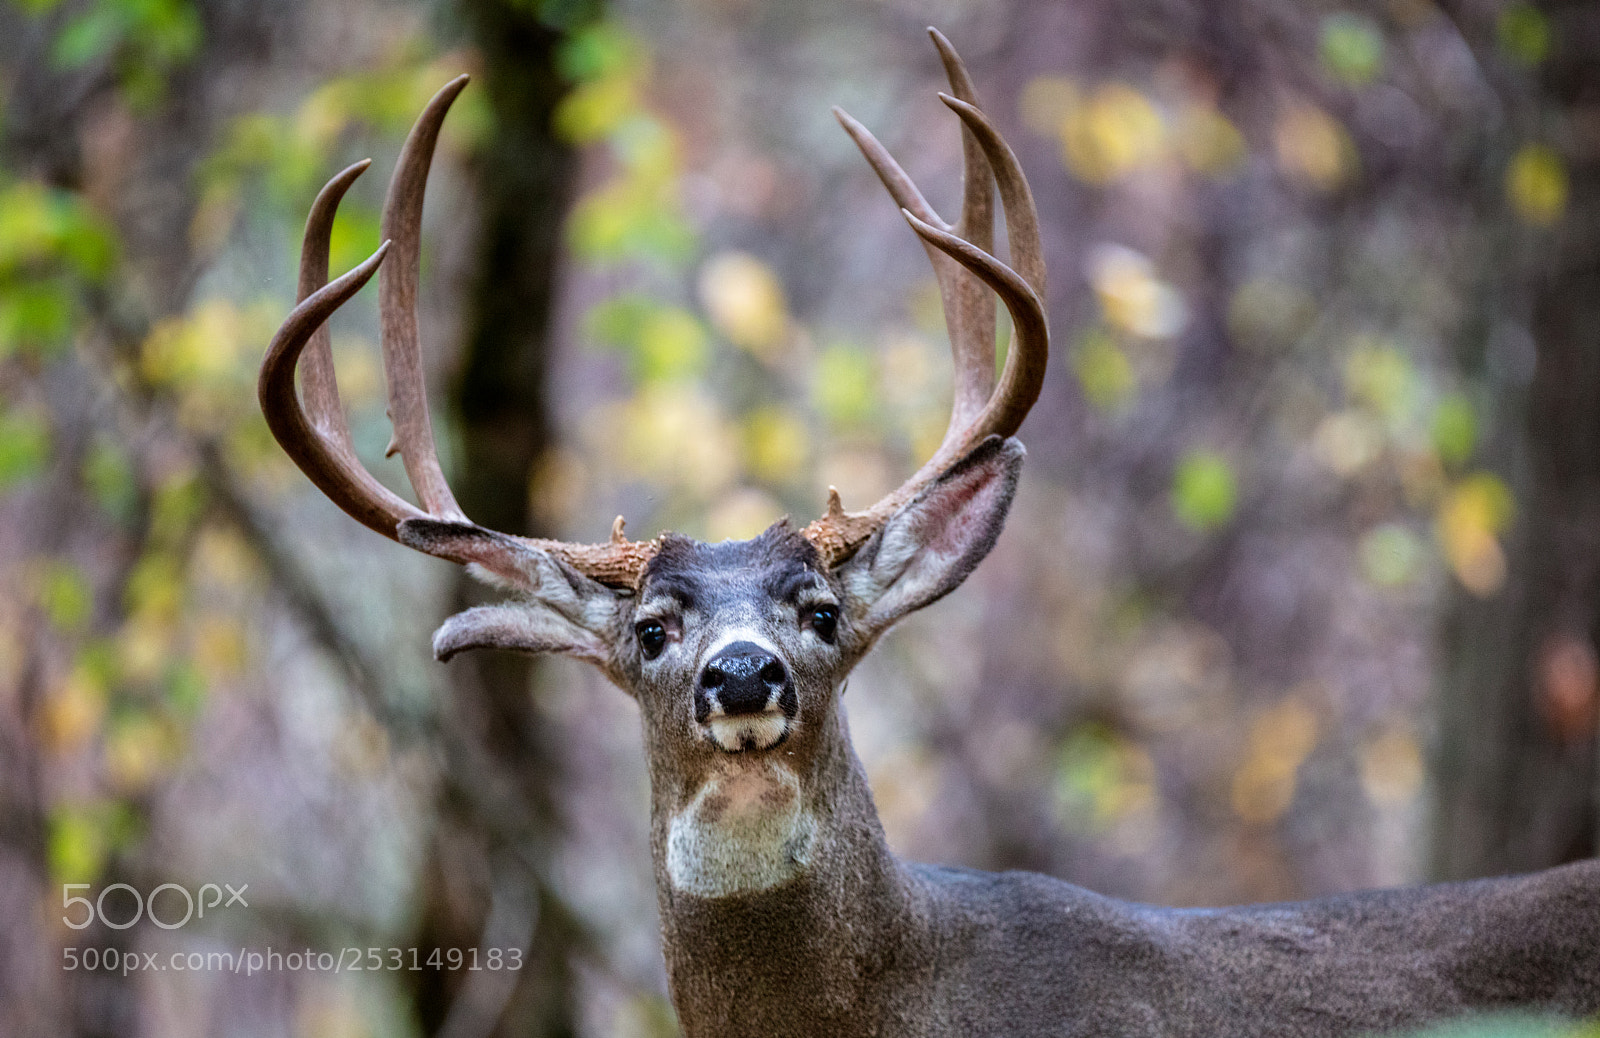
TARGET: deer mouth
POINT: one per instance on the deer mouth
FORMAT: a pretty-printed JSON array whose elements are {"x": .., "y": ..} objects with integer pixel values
[{"x": 744, "y": 733}]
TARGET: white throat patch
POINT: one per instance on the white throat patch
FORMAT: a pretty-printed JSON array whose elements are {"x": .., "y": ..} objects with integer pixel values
[{"x": 745, "y": 831}]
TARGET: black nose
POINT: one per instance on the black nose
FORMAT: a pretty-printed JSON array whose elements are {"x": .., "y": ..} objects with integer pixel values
[{"x": 745, "y": 678}]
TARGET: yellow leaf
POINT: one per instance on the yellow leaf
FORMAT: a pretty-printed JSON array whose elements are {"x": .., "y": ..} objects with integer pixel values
[
  {"x": 776, "y": 445},
  {"x": 144, "y": 646},
  {"x": 672, "y": 344},
  {"x": 741, "y": 514},
  {"x": 1046, "y": 102},
  {"x": 844, "y": 386},
  {"x": 1115, "y": 133},
  {"x": 1313, "y": 148},
  {"x": 745, "y": 301},
  {"x": 1536, "y": 184},
  {"x": 1391, "y": 767},
  {"x": 1132, "y": 298},
  {"x": 1209, "y": 143},
  {"x": 1280, "y": 740},
  {"x": 73, "y": 710},
  {"x": 223, "y": 558},
  {"x": 1380, "y": 377},
  {"x": 219, "y": 648},
  {"x": 1471, "y": 515},
  {"x": 673, "y": 435},
  {"x": 594, "y": 109},
  {"x": 137, "y": 751}
]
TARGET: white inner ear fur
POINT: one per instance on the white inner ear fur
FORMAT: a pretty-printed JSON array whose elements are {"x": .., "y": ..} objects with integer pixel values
[
  {"x": 746, "y": 830},
  {"x": 928, "y": 547},
  {"x": 556, "y": 610},
  {"x": 524, "y": 626}
]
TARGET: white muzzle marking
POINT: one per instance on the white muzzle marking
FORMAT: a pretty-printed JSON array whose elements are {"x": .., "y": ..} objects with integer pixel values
[{"x": 760, "y": 731}]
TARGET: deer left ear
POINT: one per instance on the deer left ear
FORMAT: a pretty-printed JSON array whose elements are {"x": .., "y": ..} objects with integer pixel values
[
  {"x": 558, "y": 610},
  {"x": 936, "y": 539}
]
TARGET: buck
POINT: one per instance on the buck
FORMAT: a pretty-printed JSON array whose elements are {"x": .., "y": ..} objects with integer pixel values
[{"x": 783, "y": 911}]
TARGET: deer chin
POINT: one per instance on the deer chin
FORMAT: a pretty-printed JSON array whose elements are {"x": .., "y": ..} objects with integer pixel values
[
  {"x": 748, "y": 732},
  {"x": 746, "y": 829}
]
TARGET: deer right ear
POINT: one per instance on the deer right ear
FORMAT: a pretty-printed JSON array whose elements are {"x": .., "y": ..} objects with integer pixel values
[
  {"x": 927, "y": 548},
  {"x": 558, "y": 610}
]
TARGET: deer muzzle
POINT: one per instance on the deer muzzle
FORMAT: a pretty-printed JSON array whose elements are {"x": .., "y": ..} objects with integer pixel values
[{"x": 745, "y": 698}]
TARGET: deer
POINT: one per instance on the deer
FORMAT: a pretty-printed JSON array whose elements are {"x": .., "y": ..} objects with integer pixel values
[{"x": 783, "y": 911}]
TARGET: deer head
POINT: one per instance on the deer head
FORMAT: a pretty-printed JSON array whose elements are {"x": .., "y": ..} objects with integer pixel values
[{"x": 736, "y": 652}]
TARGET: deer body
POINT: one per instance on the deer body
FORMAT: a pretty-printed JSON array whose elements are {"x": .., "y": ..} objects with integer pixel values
[
  {"x": 864, "y": 944},
  {"x": 782, "y": 910}
]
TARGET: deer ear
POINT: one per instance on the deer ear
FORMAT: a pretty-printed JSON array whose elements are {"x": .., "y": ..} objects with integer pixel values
[
  {"x": 557, "y": 610},
  {"x": 936, "y": 539}
]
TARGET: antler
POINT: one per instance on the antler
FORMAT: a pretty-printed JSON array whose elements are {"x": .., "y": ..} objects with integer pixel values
[
  {"x": 316, "y": 435},
  {"x": 980, "y": 408}
]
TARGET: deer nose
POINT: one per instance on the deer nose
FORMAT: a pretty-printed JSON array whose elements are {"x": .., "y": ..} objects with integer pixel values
[{"x": 744, "y": 678}]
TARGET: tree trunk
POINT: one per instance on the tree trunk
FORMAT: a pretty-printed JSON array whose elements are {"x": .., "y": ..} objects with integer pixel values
[
  {"x": 524, "y": 182},
  {"x": 1518, "y": 784}
]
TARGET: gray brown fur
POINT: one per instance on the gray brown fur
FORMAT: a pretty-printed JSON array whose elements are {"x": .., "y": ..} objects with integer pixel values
[
  {"x": 835, "y": 936},
  {"x": 868, "y": 945}
]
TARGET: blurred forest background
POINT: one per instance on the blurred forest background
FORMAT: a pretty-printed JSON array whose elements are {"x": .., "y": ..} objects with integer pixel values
[{"x": 1300, "y": 594}]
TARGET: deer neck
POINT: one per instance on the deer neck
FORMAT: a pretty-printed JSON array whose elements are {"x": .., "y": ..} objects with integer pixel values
[{"x": 781, "y": 905}]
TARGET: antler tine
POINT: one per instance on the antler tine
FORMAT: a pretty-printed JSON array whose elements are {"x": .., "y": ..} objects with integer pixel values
[
  {"x": 1016, "y": 198},
  {"x": 968, "y": 308},
  {"x": 320, "y": 444},
  {"x": 397, "y": 305},
  {"x": 980, "y": 409},
  {"x": 1023, "y": 375},
  {"x": 315, "y": 435},
  {"x": 321, "y": 389}
]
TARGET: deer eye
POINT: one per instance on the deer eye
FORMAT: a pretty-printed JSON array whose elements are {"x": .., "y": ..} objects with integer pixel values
[
  {"x": 652, "y": 638},
  {"x": 824, "y": 621}
]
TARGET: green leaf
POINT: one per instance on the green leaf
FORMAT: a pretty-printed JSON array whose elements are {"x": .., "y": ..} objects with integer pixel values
[
  {"x": 1524, "y": 33},
  {"x": 1380, "y": 376},
  {"x": 1203, "y": 491},
  {"x": 24, "y": 447},
  {"x": 843, "y": 387},
  {"x": 178, "y": 503},
  {"x": 77, "y": 844},
  {"x": 1390, "y": 555},
  {"x": 110, "y": 479},
  {"x": 83, "y": 835},
  {"x": 1352, "y": 48},
  {"x": 1455, "y": 429},
  {"x": 65, "y": 595},
  {"x": 1103, "y": 370},
  {"x": 155, "y": 585},
  {"x": 88, "y": 37},
  {"x": 616, "y": 321},
  {"x": 355, "y": 235},
  {"x": 603, "y": 49},
  {"x": 185, "y": 687},
  {"x": 672, "y": 344}
]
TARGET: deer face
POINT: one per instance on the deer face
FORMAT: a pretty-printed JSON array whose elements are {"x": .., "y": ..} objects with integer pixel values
[
  {"x": 735, "y": 652},
  {"x": 733, "y": 648},
  {"x": 734, "y": 643}
]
